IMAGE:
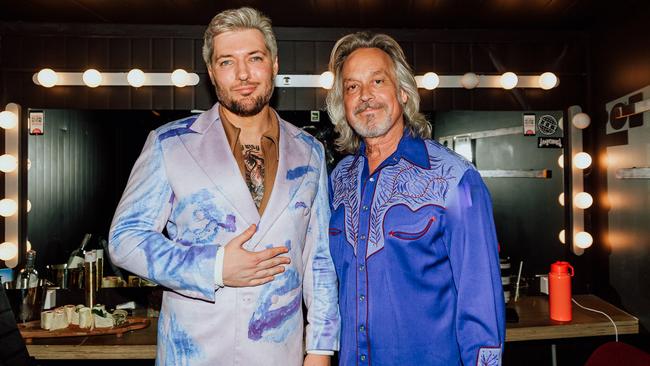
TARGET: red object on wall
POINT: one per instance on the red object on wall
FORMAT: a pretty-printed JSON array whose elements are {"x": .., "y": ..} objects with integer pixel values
[{"x": 559, "y": 291}]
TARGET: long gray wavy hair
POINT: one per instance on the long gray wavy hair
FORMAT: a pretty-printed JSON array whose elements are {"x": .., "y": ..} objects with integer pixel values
[{"x": 348, "y": 141}]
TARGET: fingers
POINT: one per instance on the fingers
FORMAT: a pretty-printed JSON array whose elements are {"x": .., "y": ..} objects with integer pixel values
[
  {"x": 245, "y": 236},
  {"x": 270, "y": 253},
  {"x": 261, "y": 281},
  {"x": 273, "y": 262}
]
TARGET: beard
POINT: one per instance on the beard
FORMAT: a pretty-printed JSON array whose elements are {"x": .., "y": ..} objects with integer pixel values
[
  {"x": 247, "y": 106},
  {"x": 371, "y": 127}
]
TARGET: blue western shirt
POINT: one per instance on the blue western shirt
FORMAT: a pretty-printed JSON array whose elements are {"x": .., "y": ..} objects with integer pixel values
[{"x": 415, "y": 251}]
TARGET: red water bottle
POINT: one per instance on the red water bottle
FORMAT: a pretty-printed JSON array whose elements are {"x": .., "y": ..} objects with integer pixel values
[{"x": 559, "y": 291}]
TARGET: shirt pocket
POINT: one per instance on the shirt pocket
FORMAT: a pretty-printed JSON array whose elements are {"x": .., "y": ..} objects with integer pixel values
[{"x": 414, "y": 232}]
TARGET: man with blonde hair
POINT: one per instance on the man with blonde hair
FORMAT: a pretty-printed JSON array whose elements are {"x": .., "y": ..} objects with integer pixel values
[
  {"x": 412, "y": 233},
  {"x": 243, "y": 197}
]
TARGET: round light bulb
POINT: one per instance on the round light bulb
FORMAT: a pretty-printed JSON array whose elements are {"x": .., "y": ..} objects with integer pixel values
[
  {"x": 92, "y": 78},
  {"x": 581, "y": 120},
  {"x": 509, "y": 80},
  {"x": 582, "y": 160},
  {"x": 8, "y": 250},
  {"x": 583, "y": 240},
  {"x": 560, "y": 161},
  {"x": 47, "y": 78},
  {"x": 135, "y": 78},
  {"x": 179, "y": 78},
  {"x": 8, "y": 163},
  {"x": 430, "y": 80},
  {"x": 29, "y": 205},
  {"x": 12, "y": 263},
  {"x": 547, "y": 81},
  {"x": 469, "y": 80},
  {"x": 583, "y": 200},
  {"x": 8, "y": 120},
  {"x": 562, "y": 237},
  {"x": 560, "y": 199},
  {"x": 8, "y": 207},
  {"x": 326, "y": 80}
]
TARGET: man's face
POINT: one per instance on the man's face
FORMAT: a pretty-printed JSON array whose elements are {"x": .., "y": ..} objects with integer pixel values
[
  {"x": 370, "y": 96},
  {"x": 242, "y": 71}
]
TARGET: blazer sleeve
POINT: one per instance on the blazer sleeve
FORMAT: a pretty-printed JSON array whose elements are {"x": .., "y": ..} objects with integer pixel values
[
  {"x": 320, "y": 287},
  {"x": 473, "y": 254},
  {"x": 136, "y": 241}
]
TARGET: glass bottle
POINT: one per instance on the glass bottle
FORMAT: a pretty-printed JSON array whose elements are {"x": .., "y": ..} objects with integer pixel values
[{"x": 27, "y": 283}]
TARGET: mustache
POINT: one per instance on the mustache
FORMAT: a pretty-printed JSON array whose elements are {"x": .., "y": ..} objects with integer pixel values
[{"x": 365, "y": 105}]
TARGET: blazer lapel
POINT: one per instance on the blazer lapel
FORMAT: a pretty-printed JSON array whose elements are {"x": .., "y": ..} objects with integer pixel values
[
  {"x": 212, "y": 153},
  {"x": 293, "y": 157}
]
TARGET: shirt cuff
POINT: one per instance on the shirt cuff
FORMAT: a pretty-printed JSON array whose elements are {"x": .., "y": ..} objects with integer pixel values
[
  {"x": 218, "y": 269},
  {"x": 320, "y": 352}
]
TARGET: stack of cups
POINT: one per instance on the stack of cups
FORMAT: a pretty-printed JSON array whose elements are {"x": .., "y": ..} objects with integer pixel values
[{"x": 90, "y": 278}]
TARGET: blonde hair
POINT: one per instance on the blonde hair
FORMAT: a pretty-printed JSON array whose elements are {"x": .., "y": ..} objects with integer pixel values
[
  {"x": 234, "y": 20},
  {"x": 348, "y": 141}
]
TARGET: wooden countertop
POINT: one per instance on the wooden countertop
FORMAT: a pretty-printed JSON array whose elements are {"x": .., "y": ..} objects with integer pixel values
[
  {"x": 137, "y": 344},
  {"x": 534, "y": 324}
]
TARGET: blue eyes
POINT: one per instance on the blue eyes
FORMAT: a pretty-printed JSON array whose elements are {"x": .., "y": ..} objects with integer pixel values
[{"x": 231, "y": 62}]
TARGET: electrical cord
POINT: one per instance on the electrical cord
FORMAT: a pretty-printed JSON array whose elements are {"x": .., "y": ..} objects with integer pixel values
[{"x": 600, "y": 312}]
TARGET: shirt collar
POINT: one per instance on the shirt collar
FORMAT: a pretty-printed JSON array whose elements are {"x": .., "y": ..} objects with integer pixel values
[
  {"x": 409, "y": 148},
  {"x": 273, "y": 133}
]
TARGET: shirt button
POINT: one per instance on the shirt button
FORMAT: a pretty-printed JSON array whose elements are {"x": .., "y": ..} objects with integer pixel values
[
  {"x": 362, "y": 328},
  {"x": 365, "y": 208},
  {"x": 361, "y": 298},
  {"x": 363, "y": 237},
  {"x": 361, "y": 267},
  {"x": 395, "y": 158},
  {"x": 362, "y": 357},
  {"x": 372, "y": 179}
]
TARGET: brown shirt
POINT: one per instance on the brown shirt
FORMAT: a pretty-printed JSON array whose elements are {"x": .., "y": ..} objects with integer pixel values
[{"x": 270, "y": 144}]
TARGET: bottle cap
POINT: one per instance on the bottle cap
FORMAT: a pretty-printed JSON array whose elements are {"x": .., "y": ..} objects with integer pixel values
[{"x": 561, "y": 267}]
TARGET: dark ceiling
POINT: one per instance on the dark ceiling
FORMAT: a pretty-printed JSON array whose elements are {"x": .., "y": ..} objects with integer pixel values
[{"x": 439, "y": 14}]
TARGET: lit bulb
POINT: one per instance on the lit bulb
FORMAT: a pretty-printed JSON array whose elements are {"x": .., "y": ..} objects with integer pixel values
[
  {"x": 509, "y": 80},
  {"x": 29, "y": 164},
  {"x": 583, "y": 240},
  {"x": 92, "y": 78},
  {"x": 13, "y": 262},
  {"x": 560, "y": 199},
  {"x": 8, "y": 163},
  {"x": 582, "y": 160},
  {"x": 8, "y": 120},
  {"x": 430, "y": 80},
  {"x": 560, "y": 161},
  {"x": 469, "y": 80},
  {"x": 135, "y": 78},
  {"x": 28, "y": 245},
  {"x": 583, "y": 200},
  {"x": 326, "y": 80},
  {"x": 179, "y": 78},
  {"x": 29, "y": 205},
  {"x": 562, "y": 238},
  {"x": 8, "y": 250},
  {"x": 581, "y": 120},
  {"x": 547, "y": 81},
  {"x": 47, "y": 78},
  {"x": 8, "y": 207}
]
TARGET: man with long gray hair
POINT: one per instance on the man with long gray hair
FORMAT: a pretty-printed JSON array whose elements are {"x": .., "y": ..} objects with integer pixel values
[
  {"x": 239, "y": 261},
  {"x": 412, "y": 233}
]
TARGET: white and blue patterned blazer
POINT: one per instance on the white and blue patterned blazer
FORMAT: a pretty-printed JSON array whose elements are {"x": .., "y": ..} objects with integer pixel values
[{"x": 187, "y": 181}]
